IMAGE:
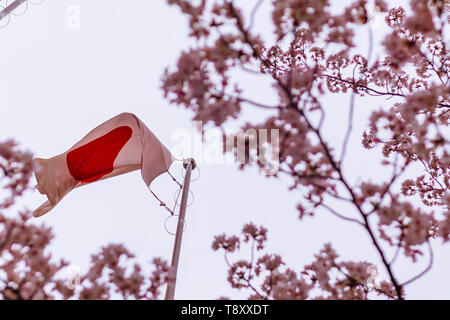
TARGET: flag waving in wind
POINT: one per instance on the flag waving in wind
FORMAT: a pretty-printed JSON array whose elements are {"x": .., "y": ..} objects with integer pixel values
[{"x": 119, "y": 145}]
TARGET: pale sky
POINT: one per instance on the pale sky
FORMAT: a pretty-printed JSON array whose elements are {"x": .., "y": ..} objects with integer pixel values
[{"x": 57, "y": 84}]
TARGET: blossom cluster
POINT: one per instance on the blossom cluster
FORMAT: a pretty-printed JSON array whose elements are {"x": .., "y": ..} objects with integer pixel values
[
  {"x": 15, "y": 171},
  {"x": 265, "y": 276},
  {"x": 28, "y": 271}
]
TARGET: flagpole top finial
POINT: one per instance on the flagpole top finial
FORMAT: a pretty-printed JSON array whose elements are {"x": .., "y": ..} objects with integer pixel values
[{"x": 189, "y": 160}]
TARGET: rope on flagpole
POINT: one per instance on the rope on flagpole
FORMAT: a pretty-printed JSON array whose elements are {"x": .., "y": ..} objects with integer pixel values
[
  {"x": 167, "y": 228},
  {"x": 174, "y": 179},
  {"x": 177, "y": 194},
  {"x": 188, "y": 164},
  {"x": 162, "y": 203}
]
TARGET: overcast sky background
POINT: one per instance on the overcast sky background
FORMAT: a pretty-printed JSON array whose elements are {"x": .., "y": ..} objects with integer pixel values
[{"x": 57, "y": 84}]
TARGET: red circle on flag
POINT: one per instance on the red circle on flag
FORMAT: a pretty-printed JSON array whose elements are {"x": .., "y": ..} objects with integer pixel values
[{"x": 92, "y": 161}]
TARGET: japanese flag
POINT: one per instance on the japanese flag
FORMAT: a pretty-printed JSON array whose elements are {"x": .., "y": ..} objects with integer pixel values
[{"x": 119, "y": 145}]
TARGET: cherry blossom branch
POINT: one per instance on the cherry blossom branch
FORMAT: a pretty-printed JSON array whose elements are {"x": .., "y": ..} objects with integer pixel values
[
  {"x": 398, "y": 288},
  {"x": 355, "y": 84},
  {"x": 300, "y": 115},
  {"x": 372, "y": 90},
  {"x": 327, "y": 152}
]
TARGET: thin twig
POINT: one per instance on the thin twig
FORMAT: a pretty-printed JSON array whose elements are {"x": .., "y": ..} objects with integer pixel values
[
  {"x": 337, "y": 214},
  {"x": 253, "y": 14},
  {"x": 430, "y": 264},
  {"x": 349, "y": 129}
]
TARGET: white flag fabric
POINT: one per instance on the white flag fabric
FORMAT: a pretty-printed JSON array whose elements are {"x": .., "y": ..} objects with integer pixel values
[{"x": 117, "y": 146}]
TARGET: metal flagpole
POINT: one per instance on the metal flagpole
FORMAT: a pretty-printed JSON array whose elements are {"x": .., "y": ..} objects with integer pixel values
[
  {"x": 188, "y": 164},
  {"x": 10, "y": 8}
]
